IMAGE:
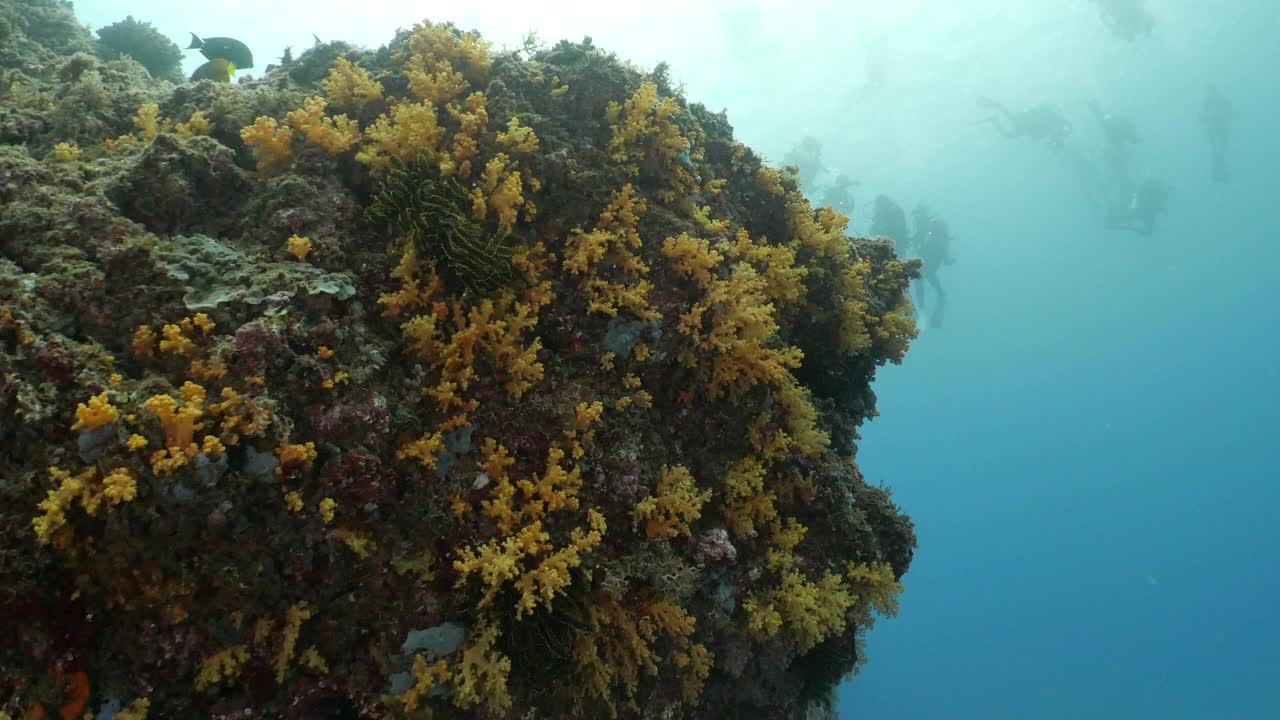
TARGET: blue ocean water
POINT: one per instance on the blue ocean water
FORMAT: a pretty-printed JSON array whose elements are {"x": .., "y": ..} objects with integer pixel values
[{"x": 1088, "y": 447}]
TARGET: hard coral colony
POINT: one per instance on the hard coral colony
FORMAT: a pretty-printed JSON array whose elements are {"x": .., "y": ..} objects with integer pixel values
[{"x": 366, "y": 390}]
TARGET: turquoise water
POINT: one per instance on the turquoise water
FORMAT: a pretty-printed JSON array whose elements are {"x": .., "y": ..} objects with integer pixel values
[{"x": 1087, "y": 446}]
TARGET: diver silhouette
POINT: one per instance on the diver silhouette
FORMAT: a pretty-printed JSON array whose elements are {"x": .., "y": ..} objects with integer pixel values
[
  {"x": 1041, "y": 122},
  {"x": 1119, "y": 136},
  {"x": 1216, "y": 115},
  {"x": 933, "y": 239},
  {"x": 889, "y": 220},
  {"x": 1127, "y": 19},
  {"x": 838, "y": 197},
  {"x": 1149, "y": 199}
]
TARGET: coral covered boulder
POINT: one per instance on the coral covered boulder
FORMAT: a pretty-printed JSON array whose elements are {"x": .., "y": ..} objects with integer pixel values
[{"x": 426, "y": 382}]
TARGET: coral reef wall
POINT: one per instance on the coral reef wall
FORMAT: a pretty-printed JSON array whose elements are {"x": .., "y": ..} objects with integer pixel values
[{"x": 425, "y": 381}]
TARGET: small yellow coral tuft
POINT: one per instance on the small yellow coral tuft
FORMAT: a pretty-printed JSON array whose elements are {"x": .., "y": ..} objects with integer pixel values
[
  {"x": 426, "y": 450},
  {"x": 119, "y": 486},
  {"x": 293, "y": 619},
  {"x": 674, "y": 505},
  {"x": 299, "y": 247},
  {"x": 197, "y": 124},
  {"x": 327, "y": 507},
  {"x": 136, "y": 710},
  {"x": 211, "y": 445},
  {"x": 148, "y": 121},
  {"x": 66, "y": 152},
  {"x": 500, "y": 190},
  {"x": 98, "y": 413},
  {"x": 518, "y": 139},
  {"x": 223, "y": 665},
  {"x": 299, "y": 453}
]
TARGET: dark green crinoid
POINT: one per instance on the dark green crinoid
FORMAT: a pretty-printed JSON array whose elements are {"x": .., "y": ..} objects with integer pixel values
[{"x": 432, "y": 212}]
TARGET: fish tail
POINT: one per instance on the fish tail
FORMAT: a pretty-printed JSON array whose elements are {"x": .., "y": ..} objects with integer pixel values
[{"x": 196, "y": 42}]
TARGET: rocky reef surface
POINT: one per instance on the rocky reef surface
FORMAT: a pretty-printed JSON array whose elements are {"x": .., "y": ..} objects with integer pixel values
[{"x": 427, "y": 381}]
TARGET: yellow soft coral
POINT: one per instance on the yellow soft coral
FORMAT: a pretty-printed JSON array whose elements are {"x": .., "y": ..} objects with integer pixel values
[
  {"x": 473, "y": 121},
  {"x": 410, "y": 132},
  {"x": 297, "y": 614},
  {"x": 733, "y": 330},
  {"x": 417, "y": 284},
  {"x": 54, "y": 507},
  {"x": 272, "y": 144},
  {"x": 336, "y": 134},
  {"x": 442, "y": 62},
  {"x": 518, "y": 139},
  {"x": 810, "y": 611},
  {"x": 604, "y": 261},
  {"x": 675, "y": 504},
  {"x": 349, "y": 86},
  {"x": 426, "y": 450},
  {"x": 500, "y": 190},
  {"x": 824, "y": 234},
  {"x": 426, "y": 677},
  {"x": 98, "y": 413},
  {"x": 136, "y": 710},
  {"x": 643, "y": 128},
  {"x": 295, "y": 454},
  {"x": 875, "y": 588},
  {"x": 529, "y": 561},
  {"x": 66, "y": 152},
  {"x": 618, "y": 643},
  {"x": 747, "y": 503},
  {"x": 692, "y": 257},
  {"x": 148, "y": 121},
  {"x": 784, "y": 280},
  {"x": 298, "y": 246},
  {"x": 481, "y": 677},
  {"x": 179, "y": 424},
  {"x": 327, "y": 507},
  {"x": 223, "y": 665},
  {"x": 195, "y": 126},
  {"x": 119, "y": 486}
]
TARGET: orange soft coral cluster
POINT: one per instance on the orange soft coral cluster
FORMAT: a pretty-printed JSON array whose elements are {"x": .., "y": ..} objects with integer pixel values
[{"x": 604, "y": 261}]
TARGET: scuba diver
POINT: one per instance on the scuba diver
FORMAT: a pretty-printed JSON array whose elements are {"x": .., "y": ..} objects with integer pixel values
[
  {"x": 889, "y": 220},
  {"x": 1120, "y": 135},
  {"x": 806, "y": 157},
  {"x": 933, "y": 239},
  {"x": 224, "y": 55},
  {"x": 1149, "y": 199},
  {"x": 1127, "y": 19},
  {"x": 838, "y": 196},
  {"x": 1042, "y": 122},
  {"x": 1216, "y": 116}
]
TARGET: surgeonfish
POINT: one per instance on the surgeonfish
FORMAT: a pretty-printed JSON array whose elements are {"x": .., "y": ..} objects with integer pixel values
[{"x": 222, "y": 48}]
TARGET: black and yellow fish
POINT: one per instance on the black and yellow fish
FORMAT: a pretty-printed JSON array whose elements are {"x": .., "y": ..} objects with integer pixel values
[
  {"x": 221, "y": 48},
  {"x": 217, "y": 69}
]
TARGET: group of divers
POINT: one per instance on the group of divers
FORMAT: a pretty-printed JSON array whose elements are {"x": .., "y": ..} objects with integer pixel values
[{"x": 1124, "y": 203}]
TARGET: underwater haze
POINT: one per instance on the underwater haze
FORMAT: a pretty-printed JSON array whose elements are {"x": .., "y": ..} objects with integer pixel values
[{"x": 1087, "y": 444}]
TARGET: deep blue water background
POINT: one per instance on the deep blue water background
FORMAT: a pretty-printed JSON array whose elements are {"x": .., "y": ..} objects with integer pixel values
[{"x": 1088, "y": 447}]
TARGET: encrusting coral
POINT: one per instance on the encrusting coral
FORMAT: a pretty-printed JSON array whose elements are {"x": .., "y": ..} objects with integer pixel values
[{"x": 431, "y": 381}]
